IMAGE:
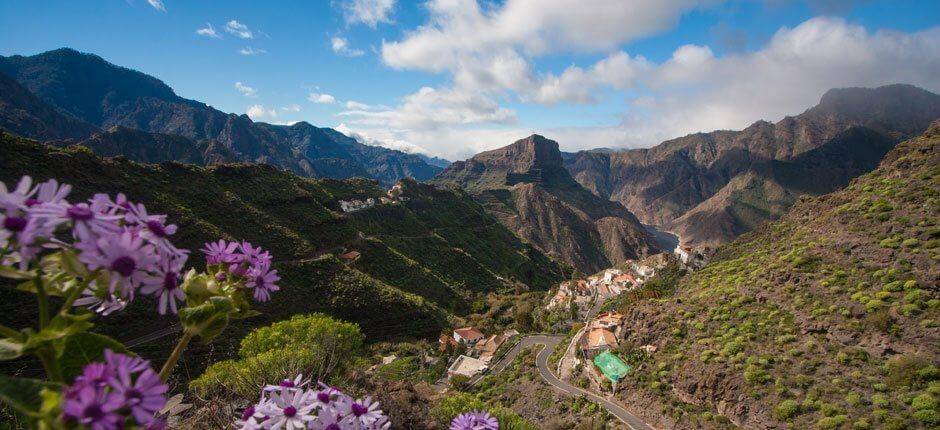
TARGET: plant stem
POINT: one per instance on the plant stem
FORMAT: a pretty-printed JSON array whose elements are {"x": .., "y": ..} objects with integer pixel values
[
  {"x": 49, "y": 365},
  {"x": 43, "y": 301},
  {"x": 73, "y": 295},
  {"x": 175, "y": 356}
]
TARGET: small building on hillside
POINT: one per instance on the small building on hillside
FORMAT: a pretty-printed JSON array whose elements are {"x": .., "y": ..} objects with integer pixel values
[
  {"x": 597, "y": 340},
  {"x": 611, "y": 367},
  {"x": 610, "y": 321},
  {"x": 349, "y": 257},
  {"x": 468, "y": 335},
  {"x": 486, "y": 349},
  {"x": 445, "y": 342},
  {"x": 466, "y": 366}
]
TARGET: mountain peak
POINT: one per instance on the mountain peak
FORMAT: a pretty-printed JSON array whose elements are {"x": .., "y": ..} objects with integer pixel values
[{"x": 534, "y": 151}]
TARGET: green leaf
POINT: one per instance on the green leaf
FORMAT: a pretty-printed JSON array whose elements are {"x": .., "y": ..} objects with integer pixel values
[
  {"x": 11, "y": 273},
  {"x": 63, "y": 325},
  {"x": 23, "y": 394},
  {"x": 71, "y": 265},
  {"x": 10, "y": 349},
  {"x": 83, "y": 348}
]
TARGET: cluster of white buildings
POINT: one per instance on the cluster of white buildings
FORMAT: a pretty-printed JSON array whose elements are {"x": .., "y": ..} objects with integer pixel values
[
  {"x": 392, "y": 196},
  {"x": 693, "y": 258},
  {"x": 602, "y": 286}
]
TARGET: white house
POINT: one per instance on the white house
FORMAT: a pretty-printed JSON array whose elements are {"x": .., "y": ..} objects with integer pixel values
[{"x": 466, "y": 366}]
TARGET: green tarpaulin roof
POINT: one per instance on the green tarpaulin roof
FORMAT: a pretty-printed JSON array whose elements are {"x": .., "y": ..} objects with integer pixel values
[{"x": 611, "y": 366}]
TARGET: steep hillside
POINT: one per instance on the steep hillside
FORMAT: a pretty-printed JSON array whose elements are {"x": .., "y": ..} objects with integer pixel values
[
  {"x": 526, "y": 187},
  {"x": 846, "y": 134},
  {"x": 828, "y": 318},
  {"x": 26, "y": 115},
  {"x": 422, "y": 261},
  {"x": 100, "y": 93}
]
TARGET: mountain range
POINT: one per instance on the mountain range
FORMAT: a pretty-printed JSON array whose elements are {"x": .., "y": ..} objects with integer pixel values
[
  {"x": 708, "y": 188},
  {"x": 525, "y": 186},
  {"x": 75, "y": 98}
]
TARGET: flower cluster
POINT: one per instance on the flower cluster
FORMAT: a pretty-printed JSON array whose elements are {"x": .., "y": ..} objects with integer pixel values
[
  {"x": 291, "y": 405},
  {"x": 243, "y": 261},
  {"x": 474, "y": 421},
  {"x": 127, "y": 248},
  {"x": 118, "y": 393}
]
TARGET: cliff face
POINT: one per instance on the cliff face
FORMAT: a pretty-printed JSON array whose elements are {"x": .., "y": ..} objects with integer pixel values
[
  {"x": 526, "y": 187},
  {"x": 695, "y": 185}
]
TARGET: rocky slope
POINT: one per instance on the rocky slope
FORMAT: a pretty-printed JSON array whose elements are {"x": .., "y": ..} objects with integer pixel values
[
  {"x": 703, "y": 186},
  {"x": 828, "y": 318},
  {"x": 527, "y": 188},
  {"x": 99, "y": 93}
]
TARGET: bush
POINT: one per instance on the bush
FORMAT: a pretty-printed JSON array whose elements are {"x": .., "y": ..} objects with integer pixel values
[
  {"x": 831, "y": 423},
  {"x": 315, "y": 345},
  {"x": 927, "y": 416},
  {"x": 924, "y": 401},
  {"x": 786, "y": 409}
]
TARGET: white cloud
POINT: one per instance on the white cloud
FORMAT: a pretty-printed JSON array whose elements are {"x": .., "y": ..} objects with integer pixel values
[
  {"x": 157, "y": 4},
  {"x": 433, "y": 108},
  {"x": 694, "y": 90},
  {"x": 291, "y": 108},
  {"x": 341, "y": 47},
  {"x": 208, "y": 31},
  {"x": 238, "y": 29},
  {"x": 251, "y": 51},
  {"x": 258, "y": 112},
  {"x": 245, "y": 90},
  {"x": 369, "y": 12},
  {"x": 354, "y": 105},
  {"x": 321, "y": 98}
]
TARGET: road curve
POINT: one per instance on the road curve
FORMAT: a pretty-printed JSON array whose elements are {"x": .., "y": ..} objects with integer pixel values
[{"x": 548, "y": 343}]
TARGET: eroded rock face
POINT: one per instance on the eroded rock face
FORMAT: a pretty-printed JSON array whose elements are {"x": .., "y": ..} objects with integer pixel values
[
  {"x": 526, "y": 187},
  {"x": 711, "y": 187}
]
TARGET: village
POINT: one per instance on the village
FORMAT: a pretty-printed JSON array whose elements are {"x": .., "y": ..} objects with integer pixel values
[
  {"x": 592, "y": 356},
  {"x": 392, "y": 196}
]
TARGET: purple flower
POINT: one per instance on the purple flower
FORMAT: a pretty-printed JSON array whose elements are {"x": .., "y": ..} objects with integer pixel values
[
  {"x": 125, "y": 257},
  {"x": 50, "y": 192},
  {"x": 101, "y": 302},
  {"x": 108, "y": 393},
  {"x": 262, "y": 280},
  {"x": 363, "y": 412},
  {"x": 144, "y": 396},
  {"x": 152, "y": 227},
  {"x": 474, "y": 421},
  {"x": 220, "y": 252},
  {"x": 254, "y": 256},
  {"x": 93, "y": 408},
  {"x": 165, "y": 283},
  {"x": 16, "y": 199}
]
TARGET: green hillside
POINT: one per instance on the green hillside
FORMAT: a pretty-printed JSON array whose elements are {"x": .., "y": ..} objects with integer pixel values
[
  {"x": 423, "y": 261},
  {"x": 829, "y": 318}
]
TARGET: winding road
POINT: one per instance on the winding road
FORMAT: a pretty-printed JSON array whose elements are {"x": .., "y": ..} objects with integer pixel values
[{"x": 548, "y": 343}]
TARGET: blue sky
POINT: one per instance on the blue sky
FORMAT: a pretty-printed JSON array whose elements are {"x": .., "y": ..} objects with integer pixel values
[{"x": 453, "y": 77}]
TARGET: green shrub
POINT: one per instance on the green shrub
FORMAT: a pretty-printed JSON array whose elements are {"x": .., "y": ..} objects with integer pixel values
[
  {"x": 455, "y": 404},
  {"x": 924, "y": 401},
  {"x": 861, "y": 424},
  {"x": 928, "y": 416},
  {"x": 786, "y": 409},
  {"x": 879, "y": 400},
  {"x": 316, "y": 346},
  {"x": 831, "y": 423}
]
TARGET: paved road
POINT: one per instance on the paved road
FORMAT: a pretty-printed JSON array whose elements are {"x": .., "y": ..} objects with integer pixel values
[{"x": 548, "y": 343}]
